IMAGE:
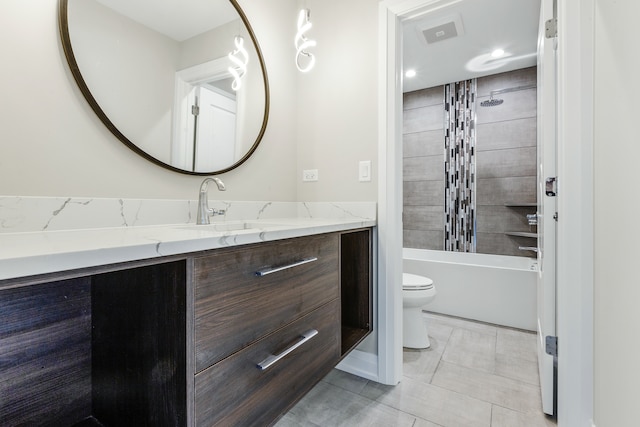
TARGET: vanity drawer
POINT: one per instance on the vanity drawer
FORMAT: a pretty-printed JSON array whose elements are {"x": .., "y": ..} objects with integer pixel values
[
  {"x": 234, "y": 307},
  {"x": 235, "y": 392}
]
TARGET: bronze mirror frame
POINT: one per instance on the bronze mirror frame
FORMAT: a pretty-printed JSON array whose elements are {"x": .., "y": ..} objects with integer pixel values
[{"x": 86, "y": 92}]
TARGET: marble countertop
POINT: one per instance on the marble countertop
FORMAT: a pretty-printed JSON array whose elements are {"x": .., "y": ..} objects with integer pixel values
[{"x": 38, "y": 252}]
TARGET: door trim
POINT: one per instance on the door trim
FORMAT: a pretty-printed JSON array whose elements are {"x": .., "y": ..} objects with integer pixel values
[
  {"x": 575, "y": 172},
  {"x": 547, "y": 207},
  {"x": 575, "y": 253}
]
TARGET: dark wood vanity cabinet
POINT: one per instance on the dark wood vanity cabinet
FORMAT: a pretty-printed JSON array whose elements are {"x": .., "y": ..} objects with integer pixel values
[
  {"x": 254, "y": 302},
  {"x": 235, "y": 306},
  {"x": 184, "y": 341},
  {"x": 108, "y": 347},
  {"x": 236, "y": 392}
]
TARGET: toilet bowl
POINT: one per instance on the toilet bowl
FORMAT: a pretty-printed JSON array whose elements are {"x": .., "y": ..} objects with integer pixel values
[{"x": 417, "y": 291}]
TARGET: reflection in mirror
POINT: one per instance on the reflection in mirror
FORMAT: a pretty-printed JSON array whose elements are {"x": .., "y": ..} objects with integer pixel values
[{"x": 159, "y": 75}]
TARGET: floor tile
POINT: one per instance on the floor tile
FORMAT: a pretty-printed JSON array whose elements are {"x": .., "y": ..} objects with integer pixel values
[
  {"x": 518, "y": 369},
  {"x": 424, "y": 423},
  {"x": 474, "y": 374},
  {"x": 422, "y": 364},
  {"x": 372, "y": 415},
  {"x": 432, "y": 403},
  {"x": 506, "y": 392},
  {"x": 503, "y": 417},
  {"x": 471, "y": 349},
  {"x": 290, "y": 420},
  {"x": 438, "y": 329},
  {"x": 457, "y": 322},
  {"x": 328, "y": 405},
  {"x": 346, "y": 381},
  {"x": 517, "y": 344}
]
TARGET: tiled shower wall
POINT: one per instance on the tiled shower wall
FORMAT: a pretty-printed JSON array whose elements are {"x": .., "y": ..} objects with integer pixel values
[
  {"x": 505, "y": 168},
  {"x": 423, "y": 169}
]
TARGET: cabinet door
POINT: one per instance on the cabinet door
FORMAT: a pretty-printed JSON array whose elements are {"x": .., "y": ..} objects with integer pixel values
[
  {"x": 235, "y": 392},
  {"x": 235, "y": 307}
]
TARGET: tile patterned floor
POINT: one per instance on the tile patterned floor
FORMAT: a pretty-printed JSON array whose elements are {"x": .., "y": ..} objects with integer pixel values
[{"x": 474, "y": 374}]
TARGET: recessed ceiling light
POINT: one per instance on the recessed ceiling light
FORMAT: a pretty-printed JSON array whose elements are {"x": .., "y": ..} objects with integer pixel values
[
  {"x": 410, "y": 73},
  {"x": 497, "y": 53}
]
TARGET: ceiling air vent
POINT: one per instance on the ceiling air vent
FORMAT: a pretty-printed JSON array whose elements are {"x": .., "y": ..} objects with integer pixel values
[
  {"x": 441, "y": 32},
  {"x": 436, "y": 30}
]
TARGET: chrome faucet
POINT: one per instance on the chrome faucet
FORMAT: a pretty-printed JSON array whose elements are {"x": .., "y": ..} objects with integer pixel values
[{"x": 204, "y": 211}]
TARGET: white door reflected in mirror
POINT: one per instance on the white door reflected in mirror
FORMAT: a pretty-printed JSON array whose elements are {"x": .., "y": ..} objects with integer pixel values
[
  {"x": 215, "y": 134},
  {"x": 205, "y": 119}
]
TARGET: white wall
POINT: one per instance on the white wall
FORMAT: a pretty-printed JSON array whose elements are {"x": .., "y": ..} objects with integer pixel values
[
  {"x": 52, "y": 144},
  {"x": 337, "y": 103},
  {"x": 617, "y": 205},
  {"x": 131, "y": 73}
]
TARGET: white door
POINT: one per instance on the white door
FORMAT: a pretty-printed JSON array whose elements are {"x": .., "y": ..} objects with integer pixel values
[
  {"x": 547, "y": 153},
  {"x": 215, "y": 131}
]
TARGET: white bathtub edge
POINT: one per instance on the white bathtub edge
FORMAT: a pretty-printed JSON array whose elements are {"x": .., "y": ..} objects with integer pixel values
[{"x": 489, "y": 293}]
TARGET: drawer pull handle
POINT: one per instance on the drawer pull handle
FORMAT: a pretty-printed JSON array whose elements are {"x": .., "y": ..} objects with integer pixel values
[
  {"x": 272, "y": 359},
  {"x": 270, "y": 270}
]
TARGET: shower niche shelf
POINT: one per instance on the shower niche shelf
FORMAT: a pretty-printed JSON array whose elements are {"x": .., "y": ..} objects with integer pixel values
[
  {"x": 518, "y": 206},
  {"x": 521, "y": 234},
  {"x": 521, "y": 205}
]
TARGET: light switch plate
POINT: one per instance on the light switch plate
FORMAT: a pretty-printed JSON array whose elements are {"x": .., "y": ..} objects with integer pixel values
[
  {"x": 364, "y": 171},
  {"x": 309, "y": 175}
]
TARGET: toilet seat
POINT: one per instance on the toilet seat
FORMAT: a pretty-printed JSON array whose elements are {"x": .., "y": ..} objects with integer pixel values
[{"x": 413, "y": 282}]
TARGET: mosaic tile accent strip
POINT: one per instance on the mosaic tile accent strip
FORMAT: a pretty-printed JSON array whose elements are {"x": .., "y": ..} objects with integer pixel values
[{"x": 460, "y": 166}]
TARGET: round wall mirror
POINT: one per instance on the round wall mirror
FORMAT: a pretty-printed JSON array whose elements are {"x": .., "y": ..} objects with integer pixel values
[{"x": 180, "y": 82}]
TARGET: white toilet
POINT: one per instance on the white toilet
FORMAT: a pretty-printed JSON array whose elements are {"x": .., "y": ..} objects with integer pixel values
[{"x": 417, "y": 291}]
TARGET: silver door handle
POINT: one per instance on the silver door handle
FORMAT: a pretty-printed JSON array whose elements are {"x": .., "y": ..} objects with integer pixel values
[
  {"x": 528, "y": 248},
  {"x": 270, "y": 270},
  {"x": 274, "y": 358}
]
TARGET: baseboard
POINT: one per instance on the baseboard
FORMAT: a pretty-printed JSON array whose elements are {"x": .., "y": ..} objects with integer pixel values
[{"x": 360, "y": 363}]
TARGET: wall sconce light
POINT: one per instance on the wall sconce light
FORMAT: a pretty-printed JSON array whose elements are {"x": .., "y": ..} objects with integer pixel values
[
  {"x": 239, "y": 58},
  {"x": 302, "y": 43}
]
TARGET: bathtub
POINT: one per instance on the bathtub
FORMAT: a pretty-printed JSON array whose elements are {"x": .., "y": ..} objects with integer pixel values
[{"x": 490, "y": 288}]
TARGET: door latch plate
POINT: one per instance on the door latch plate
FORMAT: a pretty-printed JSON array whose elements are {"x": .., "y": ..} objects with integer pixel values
[
  {"x": 551, "y": 345},
  {"x": 550, "y": 187}
]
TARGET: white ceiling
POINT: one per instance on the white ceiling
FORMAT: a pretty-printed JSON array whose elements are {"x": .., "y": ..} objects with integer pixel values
[
  {"x": 179, "y": 20},
  {"x": 511, "y": 25}
]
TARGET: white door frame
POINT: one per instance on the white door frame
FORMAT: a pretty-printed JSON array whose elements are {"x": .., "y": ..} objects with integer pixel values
[
  {"x": 575, "y": 209},
  {"x": 389, "y": 199},
  {"x": 184, "y": 97},
  {"x": 575, "y": 204},
  {"x": 547, "y": 206},
  {"x": 390, "y": 180}
]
